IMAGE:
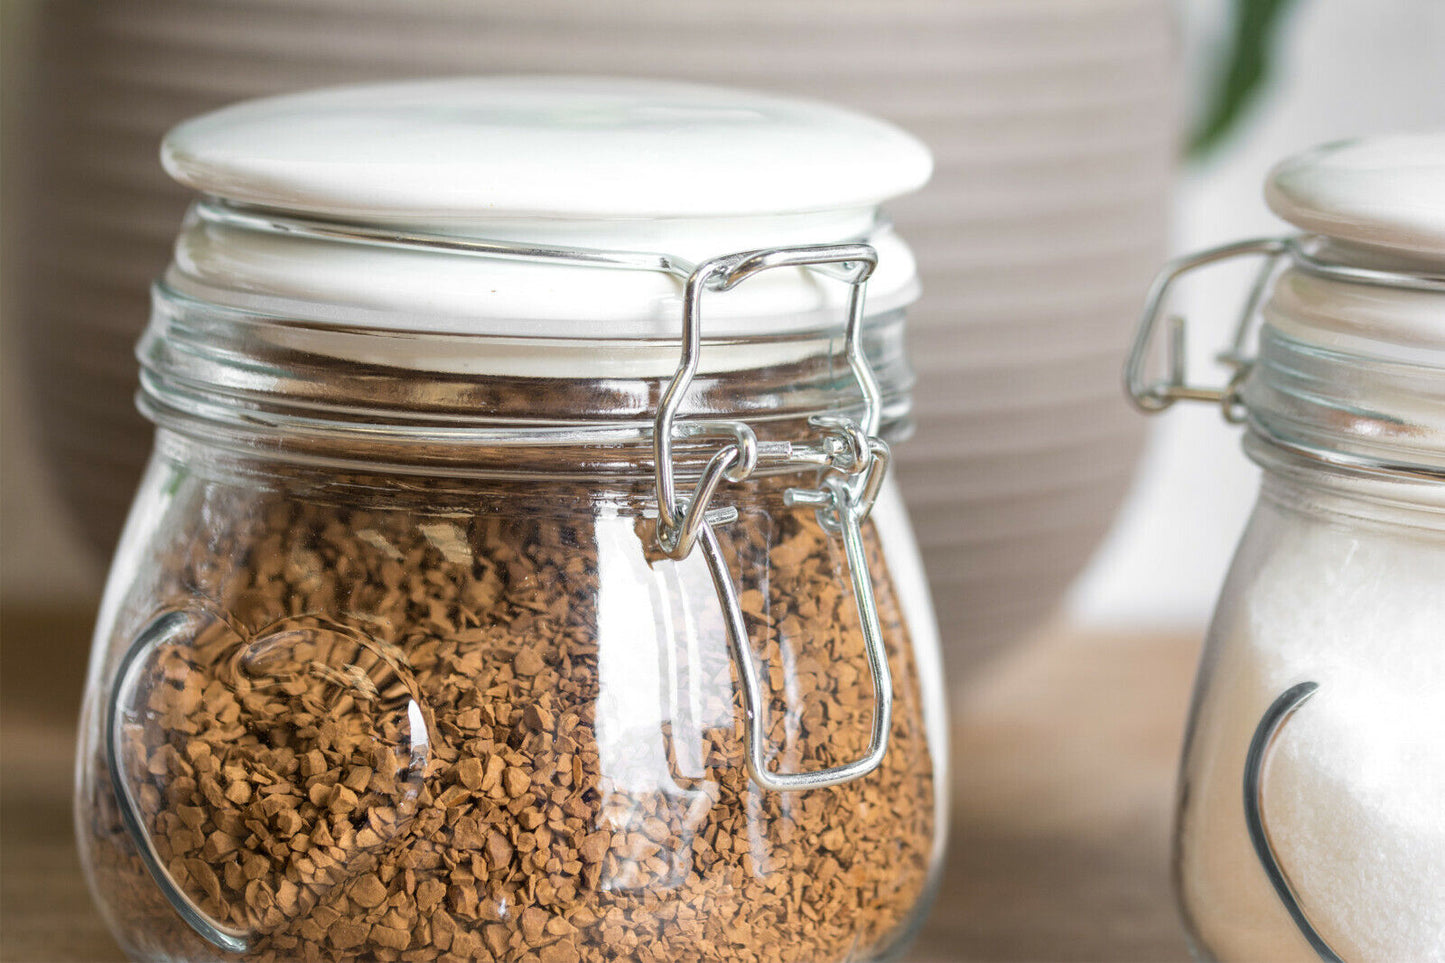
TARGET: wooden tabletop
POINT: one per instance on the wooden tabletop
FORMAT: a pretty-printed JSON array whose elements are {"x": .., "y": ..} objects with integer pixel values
[{"x": 1063, "y": 762}]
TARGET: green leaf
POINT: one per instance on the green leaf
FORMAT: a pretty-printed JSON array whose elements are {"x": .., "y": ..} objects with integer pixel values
[{"x": 1256, "y": 29}]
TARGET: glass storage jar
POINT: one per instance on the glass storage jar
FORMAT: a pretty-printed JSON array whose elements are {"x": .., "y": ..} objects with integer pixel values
[
  {"x": 496, "y": 591},
  {"x": 1311, "y": 801}
]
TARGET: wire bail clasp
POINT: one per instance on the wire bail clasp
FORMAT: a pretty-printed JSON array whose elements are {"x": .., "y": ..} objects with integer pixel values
[
  {"x": 852, "y": 461},
  {"x": 1156, "y": 395}
]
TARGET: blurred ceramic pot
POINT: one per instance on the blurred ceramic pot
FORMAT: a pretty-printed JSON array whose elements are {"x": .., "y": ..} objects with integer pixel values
[{"x": 1053, "y": 125}]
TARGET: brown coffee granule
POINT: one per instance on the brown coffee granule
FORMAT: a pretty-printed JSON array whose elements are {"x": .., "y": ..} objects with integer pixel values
[{"x": 269, "y": 746}]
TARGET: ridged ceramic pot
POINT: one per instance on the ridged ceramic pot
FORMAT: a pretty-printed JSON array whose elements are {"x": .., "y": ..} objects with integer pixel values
[{"x": 1053, "y": 124}]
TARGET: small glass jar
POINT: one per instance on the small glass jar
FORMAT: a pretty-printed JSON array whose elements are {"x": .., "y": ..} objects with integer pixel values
[
  {"x": 496, "y": 591},
  {"x": 1311, "y": 807}
]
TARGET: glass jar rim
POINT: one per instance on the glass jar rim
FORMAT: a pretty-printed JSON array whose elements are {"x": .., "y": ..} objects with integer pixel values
[
  {"x": 1350, "y": 360},
  {"x": 453, "y": 402}
]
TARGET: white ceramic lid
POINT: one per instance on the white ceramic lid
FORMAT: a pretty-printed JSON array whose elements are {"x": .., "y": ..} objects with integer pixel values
[
  {"x": 1385, "y": 192},
  {"x": 485, "y": 147},
  {"x": 689, "y": 171}
]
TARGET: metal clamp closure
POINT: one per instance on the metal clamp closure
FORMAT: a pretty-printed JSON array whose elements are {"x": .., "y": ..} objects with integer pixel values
[
  {"x": 1156, "y": 395},
  {"x": 852, "y": 460}
]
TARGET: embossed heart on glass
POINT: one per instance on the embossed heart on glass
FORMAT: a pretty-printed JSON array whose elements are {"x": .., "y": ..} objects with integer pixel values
[{"x": 257, "y": 772}]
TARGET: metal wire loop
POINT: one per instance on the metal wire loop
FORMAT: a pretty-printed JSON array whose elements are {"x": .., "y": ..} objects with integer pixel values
[
  {"x": 1308, "y": 253},
  {"x": 1158, "y": 394},
  {"x": 734, "y": 462},
  {"x": 847, "y": 444},
  {"x": 851, "y": 458},
  {"x": 723, "y": 274},
  {"x": 862, "y": 487},
  {"x": 755, "y": 703}
]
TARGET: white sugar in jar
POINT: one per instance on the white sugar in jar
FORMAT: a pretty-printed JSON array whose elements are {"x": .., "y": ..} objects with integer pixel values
[{"x": 1311, "y": 810}]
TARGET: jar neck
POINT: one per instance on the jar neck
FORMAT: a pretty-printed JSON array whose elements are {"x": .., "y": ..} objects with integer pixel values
[
  {"x": 1352, "y": 372},
  {"x": 465, "y": 403},
  {"x": 1314, "y": 484}
]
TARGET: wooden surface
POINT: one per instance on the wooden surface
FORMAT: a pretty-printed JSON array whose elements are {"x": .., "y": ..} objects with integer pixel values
[{"x": 1063, "y": 765}]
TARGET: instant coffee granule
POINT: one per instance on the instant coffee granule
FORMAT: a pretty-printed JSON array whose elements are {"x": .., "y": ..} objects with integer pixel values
[{"x": 370, "y": 730}]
